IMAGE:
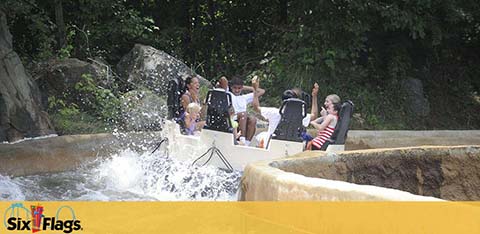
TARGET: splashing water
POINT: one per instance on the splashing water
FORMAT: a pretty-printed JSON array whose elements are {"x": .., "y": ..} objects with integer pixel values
[
  {"x": 130, "y": 175},
  {"x": 9, "y": 190},
  {"x": 127, "y": 175}
]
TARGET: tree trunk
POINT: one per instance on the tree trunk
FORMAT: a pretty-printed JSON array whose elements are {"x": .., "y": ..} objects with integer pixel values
[
  {"x": 193, "y": 24},
  {"x": 61, "y": 33},
  {"x": 216, "y": 37}
]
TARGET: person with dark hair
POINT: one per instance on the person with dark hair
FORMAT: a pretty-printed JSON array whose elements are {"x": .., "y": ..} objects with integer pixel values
[
  {"x": 272, "y": 114},
  {"x": 222, "y": 83},
  {"x": 191, "y": 95},
  {"x": 246, "y": 124}
]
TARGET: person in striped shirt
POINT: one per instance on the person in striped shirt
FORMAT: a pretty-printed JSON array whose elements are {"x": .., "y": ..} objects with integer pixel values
[{"x": 325, "y": 127}]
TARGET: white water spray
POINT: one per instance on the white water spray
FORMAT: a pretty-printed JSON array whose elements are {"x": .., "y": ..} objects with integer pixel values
[{"x": 127, "y": 175}]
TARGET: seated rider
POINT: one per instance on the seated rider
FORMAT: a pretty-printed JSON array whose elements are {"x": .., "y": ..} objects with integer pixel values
[
  {"x": 191, "y": 95},
  {"x": 330, "y": 100},
  {"x": 246, "y": 123},
  {"x": 272, "y": 114},
  {"x": 191, "y": 117},
  {"x": 325, "y": 128}
]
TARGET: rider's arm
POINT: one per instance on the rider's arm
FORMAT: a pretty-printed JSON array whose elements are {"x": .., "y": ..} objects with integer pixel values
[
  {"x": 322, "y": 125},
  {"x": 259, "y": 91},
  {"x": 256, "y": 92},
  {"x": 314, "y": 113}
]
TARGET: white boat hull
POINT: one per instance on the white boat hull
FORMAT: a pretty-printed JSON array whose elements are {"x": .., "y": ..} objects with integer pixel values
[{"x": 190, "y": 148}]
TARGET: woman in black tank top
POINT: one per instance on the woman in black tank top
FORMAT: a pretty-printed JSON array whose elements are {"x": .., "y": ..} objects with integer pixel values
[{"x": 191, "y": 95}]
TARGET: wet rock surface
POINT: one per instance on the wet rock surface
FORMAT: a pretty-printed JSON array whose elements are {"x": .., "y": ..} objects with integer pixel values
[
  {"x": 21, "y": 114},
  {"x": 142, "y": 109},
  {"x": 147, "y": 67},
  {"x": 59, "y": 77}
]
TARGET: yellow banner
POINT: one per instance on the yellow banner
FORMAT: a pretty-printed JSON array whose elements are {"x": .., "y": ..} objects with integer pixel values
[{"x": 240, "y": 217}]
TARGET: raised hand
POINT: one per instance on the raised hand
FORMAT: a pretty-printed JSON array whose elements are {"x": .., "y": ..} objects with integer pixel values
[
  {"x": 323, "y": 112},
  {"x": 255, "y": 82},
  {"x": 315, "y": 89}
]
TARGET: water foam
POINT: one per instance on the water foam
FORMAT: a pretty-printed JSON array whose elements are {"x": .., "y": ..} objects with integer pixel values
[
  {"x": 128, "y": 175},
  {"x": 9, "y": 190}
]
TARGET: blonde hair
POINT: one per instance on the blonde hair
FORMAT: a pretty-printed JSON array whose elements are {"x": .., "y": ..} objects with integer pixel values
[
  {"x": 193, "y": 107},
  {"x": 334, "y": 98}
]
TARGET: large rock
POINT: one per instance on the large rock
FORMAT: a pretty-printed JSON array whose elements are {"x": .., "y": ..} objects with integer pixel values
[
  {"x": 59, "y": 77},
  {"x": 20, "y": 112},
  {"x": 142, "y": 110},
  {"x": 151, "y": 68}
]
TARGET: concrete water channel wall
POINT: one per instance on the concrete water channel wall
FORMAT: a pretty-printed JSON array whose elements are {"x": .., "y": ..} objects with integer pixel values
[
  {"x": 413, "y": 173},
  {"x": 420, "y": 173},
  {"x": 385, "y": 172},
  {"x": 63, "y": 153},
  {"x": 395, "y": 139}
]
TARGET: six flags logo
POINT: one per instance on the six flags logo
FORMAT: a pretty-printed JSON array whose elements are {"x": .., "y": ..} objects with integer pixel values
[{"x": 38, "y": 221}]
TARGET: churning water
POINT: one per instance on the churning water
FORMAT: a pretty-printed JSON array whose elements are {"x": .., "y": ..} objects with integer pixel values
[{"x": 127, "y": 175}]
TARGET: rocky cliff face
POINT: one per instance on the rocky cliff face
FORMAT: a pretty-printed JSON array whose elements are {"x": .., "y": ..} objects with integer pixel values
[
  {"x": 151, "y": 68},
  {"x": 20, "y": 112},
  {"x": 58, "y": 78},
  {"x": 148, "y": 72}
]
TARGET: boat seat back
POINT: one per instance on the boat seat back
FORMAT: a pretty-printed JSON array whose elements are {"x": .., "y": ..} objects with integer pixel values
[
  {"x": 218, "y": 118},
  {"x": 339, "y": 136},
  {"x": 290, "y": 128},
  {"x": 176, "y": 88},
  {"x": 307, "y": 98}
]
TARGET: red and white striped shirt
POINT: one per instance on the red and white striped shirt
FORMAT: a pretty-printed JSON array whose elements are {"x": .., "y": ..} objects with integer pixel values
[{"x": 324, "y": 134}]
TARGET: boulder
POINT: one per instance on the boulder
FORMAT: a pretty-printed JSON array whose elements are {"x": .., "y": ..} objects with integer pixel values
[
  {"x": 142, "y": 110},
  {"x": 152, "y": 69},
  {"x": 21, "y": 114},
  {"x": 58, "y": 77}
]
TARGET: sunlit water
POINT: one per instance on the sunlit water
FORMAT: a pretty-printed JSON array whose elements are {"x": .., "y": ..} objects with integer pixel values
[{"x": 127, "y": 176}]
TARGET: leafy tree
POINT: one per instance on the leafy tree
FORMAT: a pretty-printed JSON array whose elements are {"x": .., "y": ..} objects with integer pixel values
[{"x": 362, "y": 50}]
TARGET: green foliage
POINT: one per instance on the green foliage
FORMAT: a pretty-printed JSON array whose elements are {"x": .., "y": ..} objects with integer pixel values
[
  {"x": 32, "y": 30},
  {"x": 68, "y": 123},
  {"x": 66, "y": 51},
  {"x": 69, "y": 119},
  {"x": 95, "y": 110},
  {"x": 97, "y": 100},
  {"x": 361, "y": 50},
  {"x": 202, "y": 93}
]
